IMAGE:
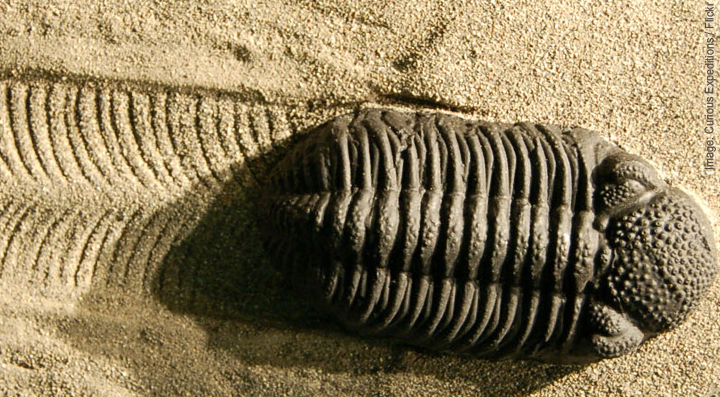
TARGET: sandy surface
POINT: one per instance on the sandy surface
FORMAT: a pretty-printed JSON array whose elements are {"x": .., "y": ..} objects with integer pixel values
[{"x": 124, "y": 277}]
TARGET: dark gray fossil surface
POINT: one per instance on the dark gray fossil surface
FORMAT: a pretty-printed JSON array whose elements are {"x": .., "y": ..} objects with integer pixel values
[{"x": 496, "y": 240}]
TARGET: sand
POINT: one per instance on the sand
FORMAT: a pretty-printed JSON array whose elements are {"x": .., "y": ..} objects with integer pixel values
[{"x": 133, "y": 268}]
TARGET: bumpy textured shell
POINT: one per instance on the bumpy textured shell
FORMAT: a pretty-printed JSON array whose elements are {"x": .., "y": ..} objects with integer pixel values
[{"x": 489, "y": 239}]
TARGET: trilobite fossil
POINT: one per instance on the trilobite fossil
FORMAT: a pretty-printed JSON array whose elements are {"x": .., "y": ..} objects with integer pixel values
[{"x": 496, "y": 240}]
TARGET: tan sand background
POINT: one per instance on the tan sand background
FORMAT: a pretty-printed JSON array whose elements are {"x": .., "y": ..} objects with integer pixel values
[{"x": 629, "y": 69}]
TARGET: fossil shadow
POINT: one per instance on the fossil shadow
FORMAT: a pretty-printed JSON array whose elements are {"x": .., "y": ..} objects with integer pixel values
[{"x": 220, "y": 275}]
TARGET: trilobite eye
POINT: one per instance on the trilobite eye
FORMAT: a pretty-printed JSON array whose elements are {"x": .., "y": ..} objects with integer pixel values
[
  {"x": 621, "y": 179},
  {"x": 611, "y": 195}
]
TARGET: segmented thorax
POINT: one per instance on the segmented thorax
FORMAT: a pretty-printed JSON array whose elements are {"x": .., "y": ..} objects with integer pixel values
[{"x": 454, "y": 234}]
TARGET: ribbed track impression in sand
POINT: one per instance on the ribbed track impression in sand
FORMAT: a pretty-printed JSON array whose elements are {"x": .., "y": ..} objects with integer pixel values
[{"x": 96, "y": 172}]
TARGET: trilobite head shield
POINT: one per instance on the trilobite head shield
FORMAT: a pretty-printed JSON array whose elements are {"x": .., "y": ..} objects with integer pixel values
[
  {"x": 494, "y": 240},
  {"x": 662, "y": 255}
]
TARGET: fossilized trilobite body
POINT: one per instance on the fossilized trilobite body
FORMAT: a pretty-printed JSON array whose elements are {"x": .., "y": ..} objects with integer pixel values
[{"x": 488, "y": 239}]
